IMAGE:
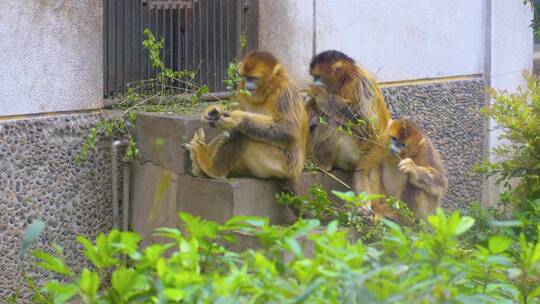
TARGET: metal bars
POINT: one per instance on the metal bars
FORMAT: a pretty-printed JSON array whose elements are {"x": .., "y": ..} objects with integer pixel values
[{"x": 200, "y": 35}]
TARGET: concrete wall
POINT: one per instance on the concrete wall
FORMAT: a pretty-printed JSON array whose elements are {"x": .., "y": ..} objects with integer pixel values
[
  {"x": 286, "y": 29},
  {"x": 403, "y": 40},
  {"x": 510, "y": 49},
  {"x": 51, "y": 56}
]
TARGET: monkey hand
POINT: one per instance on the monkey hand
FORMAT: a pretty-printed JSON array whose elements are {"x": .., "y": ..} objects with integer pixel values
[
  {"x": 229, "y": 120},
  {"x": 212, "y": 114},
  {"x": 366, "y": 212},
  {"x": 318, "y": 93},
  {"x": 407, "y": 166}
]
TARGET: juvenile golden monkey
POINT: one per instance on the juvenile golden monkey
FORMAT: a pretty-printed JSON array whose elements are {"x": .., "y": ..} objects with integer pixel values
[{"x": 406, "y": 167}]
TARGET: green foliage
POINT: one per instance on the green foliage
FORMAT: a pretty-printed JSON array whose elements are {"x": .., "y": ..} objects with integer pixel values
[
  {"x": 171, "y": 92},
  {"x": 302, "y": 263},
  {"x": 111, "y": 127},
  {"x": 318, "y": 204},
  {"x": 517, "y": 165}
]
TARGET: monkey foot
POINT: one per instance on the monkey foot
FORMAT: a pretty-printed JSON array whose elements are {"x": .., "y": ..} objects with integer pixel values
[
  {"x": 366, "y": 213},
  {"x": 195, "y": 146}
]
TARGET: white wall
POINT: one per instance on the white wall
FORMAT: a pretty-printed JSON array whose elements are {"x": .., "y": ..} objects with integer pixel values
[
  {"x": 286, "y": 29},
  {"x": 401, "y": 40},
  {"x": 511, "y": 51},
  {"x": 50, "y": 56}
]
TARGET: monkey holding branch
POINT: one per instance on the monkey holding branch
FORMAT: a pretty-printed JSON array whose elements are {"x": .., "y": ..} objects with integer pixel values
[{"x": 265, "y": 134}]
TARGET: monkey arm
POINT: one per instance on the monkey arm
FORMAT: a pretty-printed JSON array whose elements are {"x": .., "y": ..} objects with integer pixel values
[
  {"x": 430, "y": 180},
  {"x": 338, "y": 109},
  {"x": 264, "y": 128},
  {"x": 341, "y": 113}
]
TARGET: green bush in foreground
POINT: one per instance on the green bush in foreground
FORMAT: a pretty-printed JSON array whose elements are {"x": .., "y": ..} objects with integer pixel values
[
  {"x": 517, "y": 162},
  {"x": 403, "y": 267}
]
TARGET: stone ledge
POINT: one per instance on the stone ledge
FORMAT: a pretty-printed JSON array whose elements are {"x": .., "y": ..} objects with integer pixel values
[{"x": 174, "y": 130}]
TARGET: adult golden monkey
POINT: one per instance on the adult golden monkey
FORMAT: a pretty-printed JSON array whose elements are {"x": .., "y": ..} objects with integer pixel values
[
  {"x": 267, "y": 132},
  {"x": 344, "y": 96}
]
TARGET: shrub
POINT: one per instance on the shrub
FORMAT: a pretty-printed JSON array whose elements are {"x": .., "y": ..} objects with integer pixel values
[
  {"x": 195, "y": 267},
  {"x": 517, "y": 164}
]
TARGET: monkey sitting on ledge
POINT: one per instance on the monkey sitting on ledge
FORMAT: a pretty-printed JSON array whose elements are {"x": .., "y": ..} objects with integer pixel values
[
  {"x": 405, "y": 166},
  {"x": 265, "y": 136},
  {"x": 344, "y": 95}
]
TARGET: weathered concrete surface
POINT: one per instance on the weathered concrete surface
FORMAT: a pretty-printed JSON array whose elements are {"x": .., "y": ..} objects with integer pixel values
[
  {"x": 219, "y": 200},
  {"x": 153, "y": 203},
  {"x": 405, "y": 40},
  {"x": 172, "y": 131},
  {"x": 52, "y": 56},
  {"x": 286, "y": 29}
]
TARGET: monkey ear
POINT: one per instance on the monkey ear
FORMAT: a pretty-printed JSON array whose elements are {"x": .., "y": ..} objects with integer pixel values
[
  {"x": 337, "y": 65},
  {"x": 277, "y": 69}
]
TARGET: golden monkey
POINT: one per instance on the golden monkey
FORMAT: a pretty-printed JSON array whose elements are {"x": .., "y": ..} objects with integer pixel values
[
  {"x": 347, "y": 96},
  {"x": 406, "y": 167},
  {"x": 265, "y": 135}
]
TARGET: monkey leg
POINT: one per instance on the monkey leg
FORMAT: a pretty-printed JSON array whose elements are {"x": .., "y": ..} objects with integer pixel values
[
  {"x": 216, "y": 159},
  {"x": 421, "y": 203},
  {"x": 197, "y": 147}
]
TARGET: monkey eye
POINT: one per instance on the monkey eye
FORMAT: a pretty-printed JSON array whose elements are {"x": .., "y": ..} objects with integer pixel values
[
  {"x": 251, "y": 78},
  {"x": 393, "y": 138},
  {"x": 316, "y": 78}
]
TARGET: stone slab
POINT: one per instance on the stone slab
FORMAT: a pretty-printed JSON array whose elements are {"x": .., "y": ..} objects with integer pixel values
[
  {"x": 219, "y": 200},
  {"x": 174, "y": 131},
  {"x": 153, "y": 203}
]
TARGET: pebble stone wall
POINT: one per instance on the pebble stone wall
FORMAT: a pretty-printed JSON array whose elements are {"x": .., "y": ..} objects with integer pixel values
[
  {"x": 448, "y": 112},
  {"x": 40, "y": 179}
]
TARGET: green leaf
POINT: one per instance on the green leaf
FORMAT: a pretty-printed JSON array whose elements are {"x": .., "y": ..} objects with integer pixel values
[
  {"x": 294, "y": 246},
  {"x": 175, "y": 294},
  {"x": 498, "y": 244},
  {"x": 123, "y": 280},
  {"x": 392, "y": 225},
  {"x": 51, "y": 263},
  {"x": 89, "y": 285},
  {"x": 31, "y": 234},
  {"x": 60, "y": 293},
  {"x": 345, "y": 196},
  {"x": 465, "y": 224},
  {"x": 332, "y": 227}
]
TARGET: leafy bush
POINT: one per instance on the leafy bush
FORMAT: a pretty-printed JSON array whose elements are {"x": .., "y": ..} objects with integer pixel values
[
  {"x": 517, "y": 164},
  {"x": 302, "y": 263}
]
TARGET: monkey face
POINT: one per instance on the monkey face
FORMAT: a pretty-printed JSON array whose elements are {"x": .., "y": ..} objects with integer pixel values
[
  {"x": 250, "y": 83},
  {"x": 396, "y": 147},
  {"x": 329, "y": 69},
  {"x": 403, "y": 138},
  {"x": 257, "y": 71}
]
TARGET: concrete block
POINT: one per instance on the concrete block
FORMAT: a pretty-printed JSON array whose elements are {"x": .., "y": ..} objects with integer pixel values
[
  {"x": 219, "y": 200},
  {"x": 338, "y": 180},
  {"x": 174, "y": 131},
  {"x": 153, "y": 199}
]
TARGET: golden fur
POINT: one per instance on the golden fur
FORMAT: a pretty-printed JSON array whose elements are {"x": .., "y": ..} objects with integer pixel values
[
  {"x": 267, "y": 132},
  {"x": 406, "y": 167},
  {"x": 347, "y": 96}
]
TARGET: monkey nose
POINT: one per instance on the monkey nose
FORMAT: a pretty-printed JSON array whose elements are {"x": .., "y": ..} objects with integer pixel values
[{"x": 318, "y": 83}]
